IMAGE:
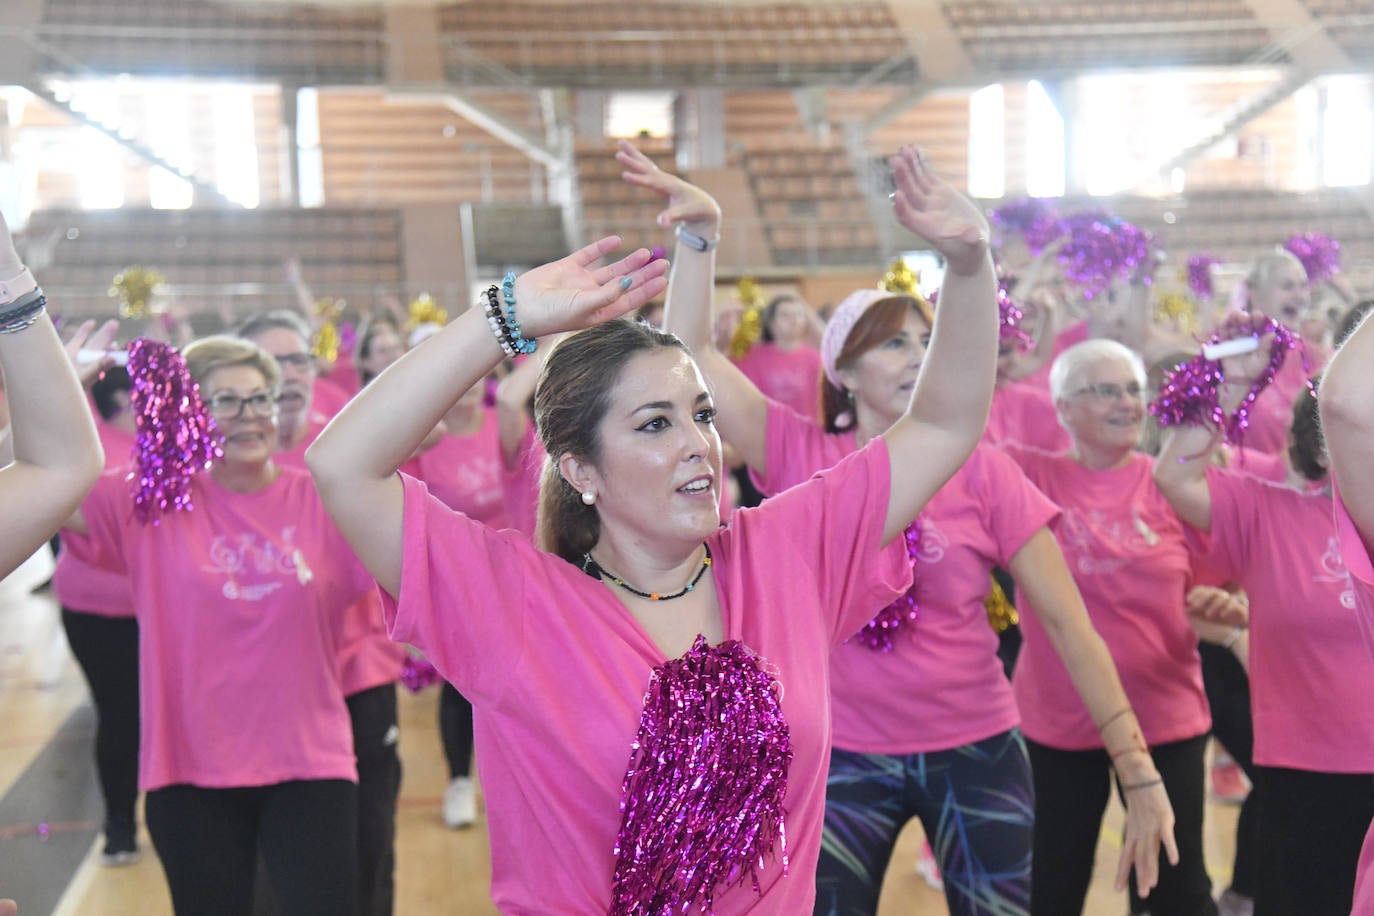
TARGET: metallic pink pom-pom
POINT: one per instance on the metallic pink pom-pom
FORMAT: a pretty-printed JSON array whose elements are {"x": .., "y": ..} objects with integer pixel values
[
  {"x": 418, "y": 673},
  {"x": 1032, "y": 218},
  {"x": 348, "y": 337},
  {"x": 1189, "y": 395},
  {"x": 877, "y": 634},
  {"x": 702, "y": 802},
  {"x": 1009, "y": 332},
  {"x": 176, "y": 438},
  {"x": 1102, "y": 249},
  {"x": 1200, "y": 275},
  {"x": 1319, "y": 253}
]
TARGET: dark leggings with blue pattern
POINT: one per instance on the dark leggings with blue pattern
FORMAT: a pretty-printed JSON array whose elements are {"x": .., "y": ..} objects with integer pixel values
[{"x": 975, "y": 802}]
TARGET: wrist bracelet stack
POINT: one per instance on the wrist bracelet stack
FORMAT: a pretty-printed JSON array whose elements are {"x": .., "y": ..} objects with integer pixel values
[
  {"x": 22, "y": 312},
  {"x": 502, "y": 321}
]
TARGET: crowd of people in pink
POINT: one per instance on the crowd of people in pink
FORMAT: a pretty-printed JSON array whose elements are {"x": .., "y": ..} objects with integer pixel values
[{"x": 685, "y": 696}]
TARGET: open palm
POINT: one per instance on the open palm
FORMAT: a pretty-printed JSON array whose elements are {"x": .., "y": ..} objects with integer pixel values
[
  {"x": 934, "y": 210},
  {"x": 687, "y": 203},
  {"x": 571, "y": 293}
]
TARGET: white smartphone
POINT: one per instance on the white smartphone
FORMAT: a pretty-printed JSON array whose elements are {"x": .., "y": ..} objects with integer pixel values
[{"x": 1237, "y": 346}]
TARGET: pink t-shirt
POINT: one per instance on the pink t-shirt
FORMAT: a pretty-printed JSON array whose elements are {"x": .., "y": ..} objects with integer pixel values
[
  {"x": 792, "y": 377},
  {"x": 1310, "y": 676},
  {"x": 942, "y": 685},
  {"x": 1272, "y": 413},
  {"x": 1128, "y": 554},
  {"x": 329, "y": 398},
  {"x": 86, "y": 578},
  {"x": 367, "y": 656},
  {"x": 240, "y": 605},
  {"x": 465, "y": 473},
  {"x": 1025, "y": 413},
  {"x": 556, "y": 669}
]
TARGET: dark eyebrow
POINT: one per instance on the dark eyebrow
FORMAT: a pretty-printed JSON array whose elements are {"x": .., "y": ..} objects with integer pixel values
[{"x": 668, "y": 405}]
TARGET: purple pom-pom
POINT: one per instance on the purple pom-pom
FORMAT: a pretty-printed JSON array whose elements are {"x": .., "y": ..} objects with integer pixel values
[
  {"x": 877, "y": 633},
  {"x": 176, "y": 437},
  {"x": 1189, "y": 395},
  {"x": 702, "y": 802},
  {"x": 348, "y": 337},
  {"x": 1032, "y": 218},
  {"x": 418, "y": 673},
  {"x": 1009, "y": 331},
  {"x": 1102, "y": 249},
  {"x": 1319, "y": 253},
  {"x": 657, "y": 253},
  {"x": 1200, "y": 275}
]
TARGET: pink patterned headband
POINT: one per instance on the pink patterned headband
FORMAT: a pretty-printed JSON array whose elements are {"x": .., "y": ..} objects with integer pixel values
[{"x": 841, "y": 323}]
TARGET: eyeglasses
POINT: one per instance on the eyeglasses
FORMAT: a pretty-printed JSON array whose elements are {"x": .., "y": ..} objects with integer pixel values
[
  {"x": 1111, "y": 391},
  {"x": 296, "y": 360},
  {"x": 226, "y": 406}
]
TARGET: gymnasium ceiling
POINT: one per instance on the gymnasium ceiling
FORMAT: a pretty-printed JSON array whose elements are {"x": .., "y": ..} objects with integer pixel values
[{"x": 673, "y": 42}]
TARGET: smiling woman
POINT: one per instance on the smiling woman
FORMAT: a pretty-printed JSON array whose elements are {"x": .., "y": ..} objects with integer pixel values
[{"x": 270, "y": 581}]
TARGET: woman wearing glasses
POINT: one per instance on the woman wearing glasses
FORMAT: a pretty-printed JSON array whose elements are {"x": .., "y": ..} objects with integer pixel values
[
  {"x": 246, "y": 740},
  {"x": 1127, "y": 553}
]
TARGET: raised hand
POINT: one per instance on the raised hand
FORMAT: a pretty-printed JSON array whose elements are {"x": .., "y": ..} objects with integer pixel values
[
  {"x": 687, "y": 203},
  {"x": 934, "y": 210},
  {"x": 571, "y": 294},
  {"x": 88, "y": 369}
]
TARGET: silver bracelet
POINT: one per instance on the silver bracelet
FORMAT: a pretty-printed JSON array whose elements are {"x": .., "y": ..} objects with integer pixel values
[{"x": 694, "y": 241}]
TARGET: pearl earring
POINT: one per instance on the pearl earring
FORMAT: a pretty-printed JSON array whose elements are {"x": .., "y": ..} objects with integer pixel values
[{"x": 588, "y": 497}]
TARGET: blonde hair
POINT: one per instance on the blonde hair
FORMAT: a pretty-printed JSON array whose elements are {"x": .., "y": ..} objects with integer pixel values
[
  {"x": 220, "y": 350},
  {"x": 1262, "y": 271}
]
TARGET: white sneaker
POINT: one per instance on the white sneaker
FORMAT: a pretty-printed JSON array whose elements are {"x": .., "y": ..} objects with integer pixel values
[{"x": 460, "y": 803}]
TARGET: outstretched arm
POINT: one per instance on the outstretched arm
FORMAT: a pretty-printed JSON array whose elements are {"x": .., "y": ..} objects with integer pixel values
[
  {"x": 354, "y": 460},
  {"x": 1347, "y": 410},
  {"x": 57, "y": 456},
  {"x": 1043, "y": 576},
  {"x": 949, "y": 407},
  {"x": 741, "y": 409}
]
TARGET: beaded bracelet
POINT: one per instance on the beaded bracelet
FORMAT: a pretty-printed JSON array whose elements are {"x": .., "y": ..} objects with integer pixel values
[
  {"x": 521, "y": 343},
  {"x": 496, "y": 320},
  {"x": 25, "y": 315}
]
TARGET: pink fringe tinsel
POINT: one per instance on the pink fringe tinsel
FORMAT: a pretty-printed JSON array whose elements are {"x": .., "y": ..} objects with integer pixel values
[
  {"x": 418, "y": 673},
  {"x": 1102, "y": 249},
  {"x": 1032, "y": 218},
  {"x": 702, "y": 802},
  {"x": 1200, "y": 275},
  {"x": 904, "y": 612},
  {"x": 176, "y": 437},
  {"x": 1320, "y": 255},
  {"x": 1189, "y": 394}
]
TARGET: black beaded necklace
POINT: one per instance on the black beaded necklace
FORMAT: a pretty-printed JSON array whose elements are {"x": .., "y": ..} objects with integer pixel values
[{"x": 594, "y": 568}]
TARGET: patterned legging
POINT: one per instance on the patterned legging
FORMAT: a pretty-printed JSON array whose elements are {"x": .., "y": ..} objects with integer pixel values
[{"x": 975, "y": 802}]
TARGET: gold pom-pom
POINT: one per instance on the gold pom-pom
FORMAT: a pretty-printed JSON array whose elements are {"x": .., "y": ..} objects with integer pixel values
[
  {"x": 135, "y": 288},
  {"x": 328, "y": 339},
  {"x": 1001, "y": 615},
  {"x": 750, "y": 327},
  {"x": 424, "y": 310},
  {"x": 901, "y": 279},
  {"x": 1177, "y": 308}
]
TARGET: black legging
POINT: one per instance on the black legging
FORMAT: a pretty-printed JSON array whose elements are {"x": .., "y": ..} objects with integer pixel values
[
  {"x": 208, "y": 842},
  {"x": 1311, "y": 828},
  {"x": 455, "y": 728},
  {"x": 106, "y": 649},
  {"x": 1071, "y": 790},
  {"x": 1228, "y": 694}
]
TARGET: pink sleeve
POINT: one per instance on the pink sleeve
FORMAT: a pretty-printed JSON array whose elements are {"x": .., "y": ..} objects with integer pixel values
[
  {"x": 1227, "y": 545},
  {"x": 796, "y": 448},
  {"x": 1014, "y": 507},
  {"x": 462, "y": 593},
  {"x": 830, "y": 529}
]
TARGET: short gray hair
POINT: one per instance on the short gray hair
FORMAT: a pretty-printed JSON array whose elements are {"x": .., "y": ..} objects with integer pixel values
[{"x": 1071, "y": 365}]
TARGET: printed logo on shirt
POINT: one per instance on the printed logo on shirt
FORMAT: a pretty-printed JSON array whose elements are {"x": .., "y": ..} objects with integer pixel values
[
  {"x": 934, "y": 543},
  {"x": 480, "y": 480},
  {"x": 238, "y": 556},
  {"x": 1102, "y": 544},
  {"x": 1334, "y": 572}
]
